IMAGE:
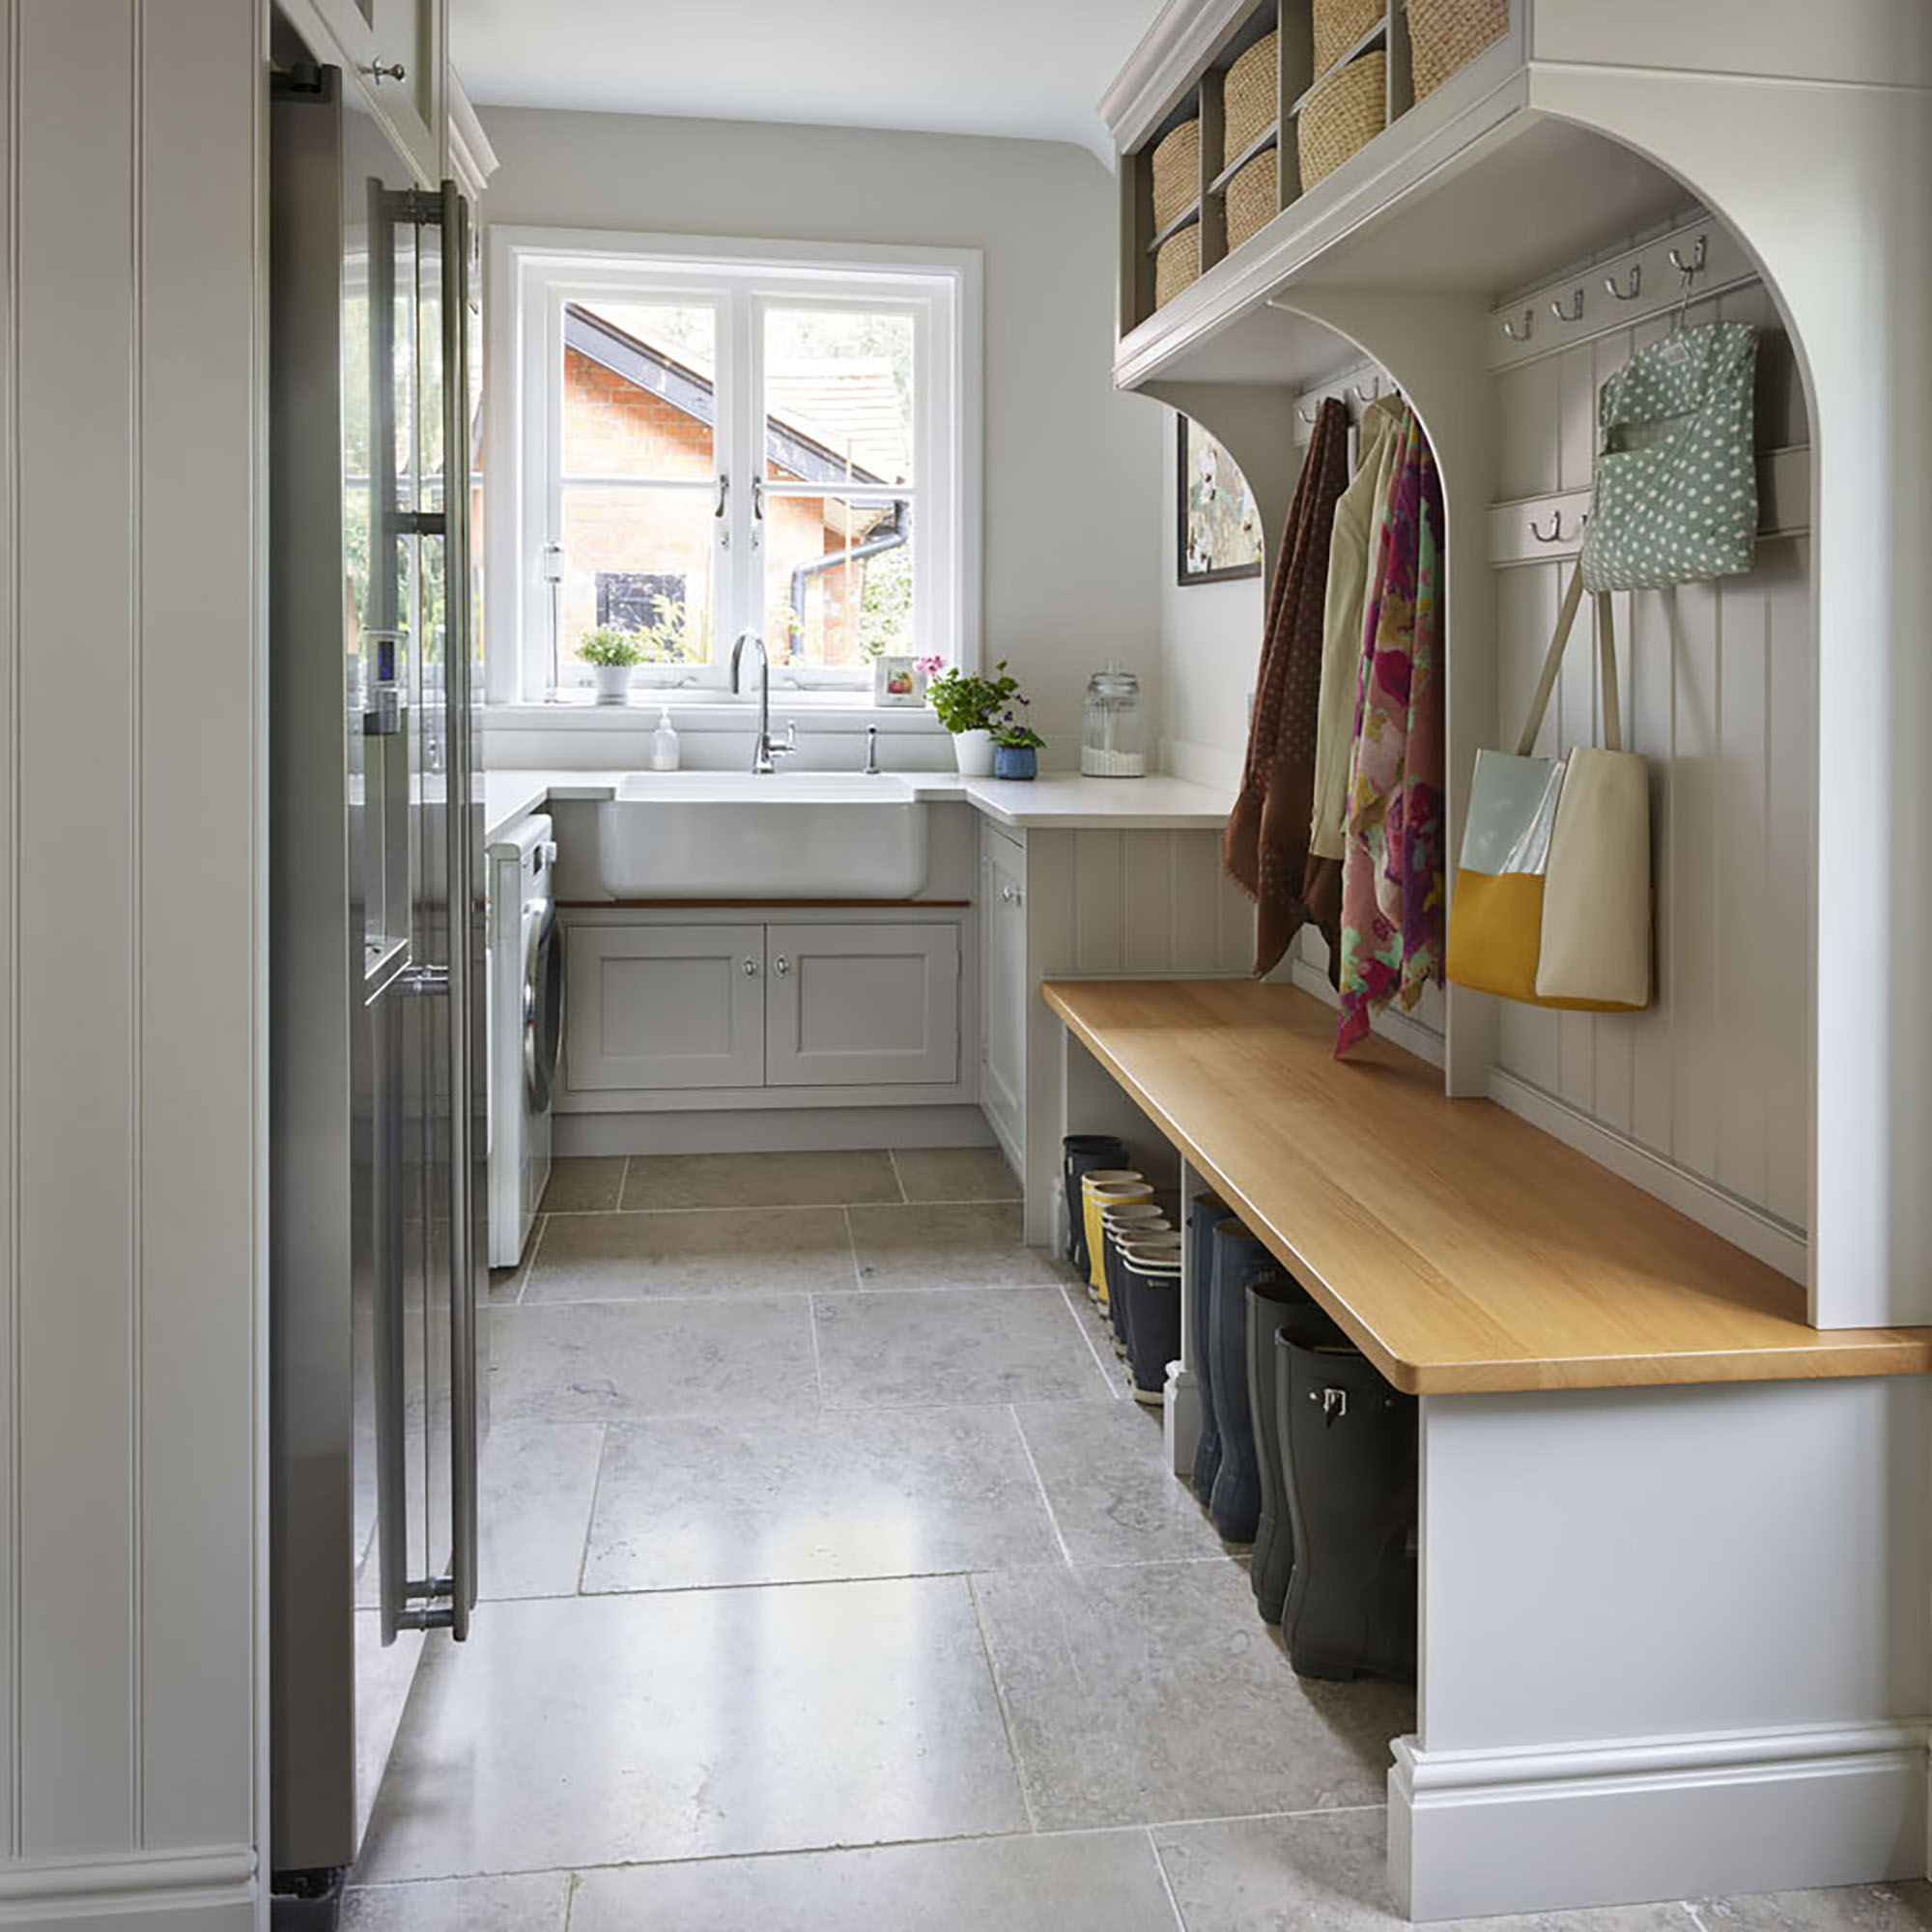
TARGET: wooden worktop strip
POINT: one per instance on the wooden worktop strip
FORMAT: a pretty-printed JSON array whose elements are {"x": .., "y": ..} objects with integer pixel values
[{"x": 1460, "y": 1248}]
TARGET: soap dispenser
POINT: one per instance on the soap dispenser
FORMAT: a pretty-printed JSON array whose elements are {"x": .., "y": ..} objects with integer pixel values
[{"x": 664, "y": 744}]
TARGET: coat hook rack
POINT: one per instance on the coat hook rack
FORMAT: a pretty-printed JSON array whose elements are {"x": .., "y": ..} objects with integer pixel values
[
  {"x": 1635, "y": 288},
  {"x": 1695, "y": 265},
  {"x": 1526, "y": 331},
  {"x": 1574, "y": 313}
]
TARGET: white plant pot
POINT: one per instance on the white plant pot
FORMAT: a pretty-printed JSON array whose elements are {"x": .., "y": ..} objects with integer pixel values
[
  {"x": 613, "y": 683},
  {"x": 975, "y": 752}
]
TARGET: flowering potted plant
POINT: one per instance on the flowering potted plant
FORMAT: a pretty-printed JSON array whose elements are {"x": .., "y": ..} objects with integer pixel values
[
  {"x": 969, "y": 706},
  {"x": 612, "y": 653},
  {"x": 1015, "y": 745}
]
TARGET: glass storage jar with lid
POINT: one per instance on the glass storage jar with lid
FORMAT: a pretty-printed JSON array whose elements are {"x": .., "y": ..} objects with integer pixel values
[{"x": 1113, "y": 727}]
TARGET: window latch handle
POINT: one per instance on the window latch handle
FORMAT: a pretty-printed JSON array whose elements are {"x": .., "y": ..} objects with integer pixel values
[{"x": 723, "y": 499}]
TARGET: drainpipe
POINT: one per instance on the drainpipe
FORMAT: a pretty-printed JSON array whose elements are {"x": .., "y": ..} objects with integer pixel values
[{"x": 895, "y": 533}]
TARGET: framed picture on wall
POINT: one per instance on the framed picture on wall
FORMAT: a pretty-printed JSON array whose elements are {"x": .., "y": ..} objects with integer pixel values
[
  {"x": 1220, "y": 530},
  {"x": 898, "y": 681}
]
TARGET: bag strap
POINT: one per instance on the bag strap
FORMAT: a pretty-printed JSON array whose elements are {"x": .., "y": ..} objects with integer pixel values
[{"x": 1552, "y": 663}]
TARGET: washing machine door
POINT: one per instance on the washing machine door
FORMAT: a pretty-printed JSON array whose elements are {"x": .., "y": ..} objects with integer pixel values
[{"x": 543, "y": 1003}]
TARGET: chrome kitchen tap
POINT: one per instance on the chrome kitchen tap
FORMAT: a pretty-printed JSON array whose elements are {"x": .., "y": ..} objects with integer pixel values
[{"x": 765, "y": 748}]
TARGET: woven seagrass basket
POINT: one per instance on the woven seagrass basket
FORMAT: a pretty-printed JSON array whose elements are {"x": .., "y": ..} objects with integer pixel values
[
  {"x": 1250, "y": 95},
  {"x": 1346, "y": 110},
  {"x": 1252, "y": 198},
  {"x": 1176, "y": 263},
  {"x": 1444, "y": 35},
  {"x": 1338, "y": 25},
  {"x": 1177, "y": 171}
]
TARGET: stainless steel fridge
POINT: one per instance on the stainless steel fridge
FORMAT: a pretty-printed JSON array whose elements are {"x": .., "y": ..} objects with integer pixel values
[{"x": 376, "y": 883}]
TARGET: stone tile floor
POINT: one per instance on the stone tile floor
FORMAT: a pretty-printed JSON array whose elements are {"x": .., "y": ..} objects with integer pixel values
[{"x": 824, "y": 1559}]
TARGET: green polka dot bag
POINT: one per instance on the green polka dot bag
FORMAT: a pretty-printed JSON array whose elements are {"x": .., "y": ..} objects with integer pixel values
[{"x": 1676, "y": 483}]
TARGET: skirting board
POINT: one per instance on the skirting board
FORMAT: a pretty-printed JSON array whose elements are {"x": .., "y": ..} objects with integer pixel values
[
  {"x": 770, "y": 1130},
  {"x": 196, "y": 1892},
  {"x": 1473, "y": 1833}
]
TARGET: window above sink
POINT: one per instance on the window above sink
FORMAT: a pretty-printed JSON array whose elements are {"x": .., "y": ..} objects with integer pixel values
[{"x": 715, "y": 436}]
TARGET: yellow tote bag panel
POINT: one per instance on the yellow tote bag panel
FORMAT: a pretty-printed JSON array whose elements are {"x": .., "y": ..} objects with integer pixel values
[{"x": 1495, "y": 924}]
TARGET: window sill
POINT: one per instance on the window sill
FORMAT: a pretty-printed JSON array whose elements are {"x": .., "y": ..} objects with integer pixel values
[{"x": 815, "y": 710}]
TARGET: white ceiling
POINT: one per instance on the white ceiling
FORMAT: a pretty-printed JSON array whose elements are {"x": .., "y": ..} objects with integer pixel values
[{"x": 1031, "y": 68}]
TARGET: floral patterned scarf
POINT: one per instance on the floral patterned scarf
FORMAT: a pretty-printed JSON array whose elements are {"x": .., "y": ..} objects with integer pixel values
[{"x": 1392, "y": 871}]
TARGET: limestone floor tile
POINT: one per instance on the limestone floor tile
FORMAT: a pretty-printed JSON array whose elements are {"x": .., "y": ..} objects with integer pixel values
[
  {"x": 697, "y": 1724},
  {"x": 1115, "y": 1500},
  {"x": 1092, "y": 1882},
  {"x": 712, "y": 1251},
  {"x": 897, "y": 1493},
  {"x": 527, "y": 1902},
  {"x": 1098, "y": 1328},
  {"x": 536, "y": 1482},
  {"x": 955, "y": 1174},
  {"x": 1156, "y": 1692},
  {"x": 996, "y": 1345},
  {"x": 1290, "y": 1874},
  {"x": 1876, "y": 1908},
  {"x": 617, "y": 1361},
  {"x": 947, "y": 1245},
  {"x": 507, "y": 1284},
  {"x": 832, "y": 1178},
  {"x": 585, "y": 1184}
]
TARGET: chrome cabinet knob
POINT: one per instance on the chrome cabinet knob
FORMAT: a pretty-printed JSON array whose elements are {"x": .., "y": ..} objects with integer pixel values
[
  {"x": 781, "y": 966},
  {"x": 751, "y": 969}
]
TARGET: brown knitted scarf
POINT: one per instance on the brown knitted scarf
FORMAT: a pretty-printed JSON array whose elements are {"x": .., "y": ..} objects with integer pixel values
[{"x": 1265, "y": 850}]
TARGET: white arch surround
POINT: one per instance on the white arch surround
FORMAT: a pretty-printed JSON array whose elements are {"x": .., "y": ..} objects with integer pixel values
[{"x": 1789, "y": 162}]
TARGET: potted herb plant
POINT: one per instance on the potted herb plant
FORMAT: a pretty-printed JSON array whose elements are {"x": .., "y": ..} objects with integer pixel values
[
  {"x": 1015, "y": 745},
  {"x": 969, "y": 706},
  {"x": 612, "y": 653}
]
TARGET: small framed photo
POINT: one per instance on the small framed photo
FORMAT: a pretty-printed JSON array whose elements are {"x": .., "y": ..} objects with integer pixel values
[{"x": 898, "y": 681}]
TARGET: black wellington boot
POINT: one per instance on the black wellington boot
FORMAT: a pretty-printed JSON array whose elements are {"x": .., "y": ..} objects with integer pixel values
[
  {"x": 1204, "y": 1216},
  {"x": 1235, "y": 1503},
  {"x": 1082, "y": 1153},
  {"x": 1278, "y": 1306},
  {"x": 1153, "y": 1326},
  {"x": 1351, "y": 1496}
]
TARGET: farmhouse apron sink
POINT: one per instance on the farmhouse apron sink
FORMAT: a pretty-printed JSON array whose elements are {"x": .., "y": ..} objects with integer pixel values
[{"x": 787, "y": 835}]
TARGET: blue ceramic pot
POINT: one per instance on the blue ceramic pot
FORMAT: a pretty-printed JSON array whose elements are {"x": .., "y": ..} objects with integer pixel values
[{"x": 1020, "y": 761}]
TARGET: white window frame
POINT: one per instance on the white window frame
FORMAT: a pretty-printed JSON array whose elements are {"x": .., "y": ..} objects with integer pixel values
[{"x": 534, "y": 272}]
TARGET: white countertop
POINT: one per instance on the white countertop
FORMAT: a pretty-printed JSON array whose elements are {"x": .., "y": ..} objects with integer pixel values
[{"x": 1059, "y": 801}]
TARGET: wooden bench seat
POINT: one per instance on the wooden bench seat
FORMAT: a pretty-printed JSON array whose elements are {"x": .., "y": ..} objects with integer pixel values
[{"x": 1460, "y": 1248}]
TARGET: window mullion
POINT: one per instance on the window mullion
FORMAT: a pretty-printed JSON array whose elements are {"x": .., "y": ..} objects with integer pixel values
[{"x": 740, "y": 404}]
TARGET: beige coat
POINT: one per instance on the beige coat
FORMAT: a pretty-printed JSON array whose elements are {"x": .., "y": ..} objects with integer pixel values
[{"x": 1351, "y": 566}]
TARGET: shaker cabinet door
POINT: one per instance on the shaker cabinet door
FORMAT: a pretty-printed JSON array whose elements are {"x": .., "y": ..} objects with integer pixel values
[
  {"x": 665, "y": 1007},
  {"x": 862, "y": 1005}
]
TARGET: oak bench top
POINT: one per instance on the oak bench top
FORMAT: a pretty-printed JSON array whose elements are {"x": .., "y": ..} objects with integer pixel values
[{"x": 1462, "y": 1249}]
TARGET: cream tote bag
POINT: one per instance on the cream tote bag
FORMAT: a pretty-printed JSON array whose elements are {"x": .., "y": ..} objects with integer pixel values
[{"x": 1553, "y": 901}]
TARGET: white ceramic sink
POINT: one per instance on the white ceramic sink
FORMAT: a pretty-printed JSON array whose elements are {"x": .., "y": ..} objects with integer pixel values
[{"x": 732, "y": 836}]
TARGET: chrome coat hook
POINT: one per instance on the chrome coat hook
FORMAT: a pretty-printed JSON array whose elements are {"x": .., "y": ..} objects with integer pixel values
[
  {"x": 1372, "y": 392},
  {"x": 1695, "y": 265},
  {"x": 1526, "y": 331},
  {"x": 1574, "y": 313},
  {"x": 1631, "y": 293},
  {"x": 1555, "y": 529},
  {"x": 1307, "y": 415}
]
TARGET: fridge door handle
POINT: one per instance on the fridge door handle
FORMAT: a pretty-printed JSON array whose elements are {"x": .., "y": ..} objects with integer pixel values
[{"x": 463, "y": 858}]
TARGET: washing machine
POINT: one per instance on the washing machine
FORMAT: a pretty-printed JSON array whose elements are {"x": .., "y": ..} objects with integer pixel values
[{"x": 525, "y": 999}]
